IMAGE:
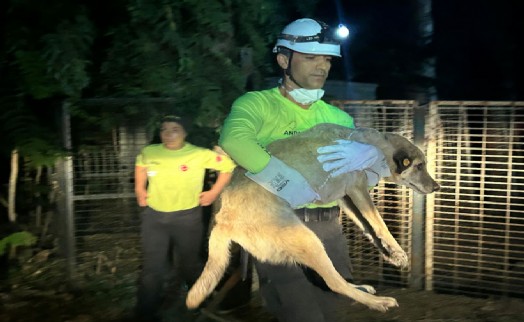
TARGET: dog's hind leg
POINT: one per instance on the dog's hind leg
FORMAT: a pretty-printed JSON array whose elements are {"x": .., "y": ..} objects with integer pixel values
[
  {"x": 304, "y": 247},
  {"x": 215, "y": 268}
]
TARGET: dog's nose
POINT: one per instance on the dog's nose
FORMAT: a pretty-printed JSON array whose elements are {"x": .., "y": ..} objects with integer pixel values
[{"x": 436, "y": 186}]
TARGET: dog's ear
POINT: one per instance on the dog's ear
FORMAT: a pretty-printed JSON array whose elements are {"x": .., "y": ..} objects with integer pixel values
[{"x": 402, "y": 161}]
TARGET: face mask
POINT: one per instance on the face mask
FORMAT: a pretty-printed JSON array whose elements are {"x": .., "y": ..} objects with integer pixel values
[{"x": 306, "y": 96}]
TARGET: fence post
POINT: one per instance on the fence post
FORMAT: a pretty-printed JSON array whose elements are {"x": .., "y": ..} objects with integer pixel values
[
  {"x": 418, "y": 249},
  {"x": 66, "y": 177}
]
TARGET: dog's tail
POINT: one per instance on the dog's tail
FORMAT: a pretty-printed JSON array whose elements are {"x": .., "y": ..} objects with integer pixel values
[{"x": 215, "y": 268}]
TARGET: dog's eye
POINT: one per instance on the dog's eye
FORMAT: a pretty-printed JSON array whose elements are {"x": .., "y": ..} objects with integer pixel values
[{"x": 406, "y": 162}]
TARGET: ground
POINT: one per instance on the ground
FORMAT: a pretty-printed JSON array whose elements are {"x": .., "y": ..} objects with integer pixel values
[{"x": 38, "y": 291}]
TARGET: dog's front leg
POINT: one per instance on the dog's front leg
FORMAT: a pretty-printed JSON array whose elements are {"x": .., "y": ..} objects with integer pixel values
[{"x": 362, "y": 200}]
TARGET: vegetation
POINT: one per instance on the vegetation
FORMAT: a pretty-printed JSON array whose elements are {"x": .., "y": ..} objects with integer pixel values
[
  {"x": 198, "y": 55},
  {"x": 194, "y": 56},
  {"x": 14, "y": 240}
]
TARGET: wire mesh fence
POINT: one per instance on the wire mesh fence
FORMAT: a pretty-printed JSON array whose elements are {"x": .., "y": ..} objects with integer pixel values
[
  {"x": 393, "y": 202},
  {"x": 106, "y": 215},
  {"x": 474, "y": 226}
]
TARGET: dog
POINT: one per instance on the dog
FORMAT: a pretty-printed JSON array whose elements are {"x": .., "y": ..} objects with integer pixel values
[{"x": 266, "y": 226}]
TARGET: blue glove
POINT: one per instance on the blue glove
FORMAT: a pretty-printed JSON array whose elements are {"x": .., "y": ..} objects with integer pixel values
[
  {"x": 347, "y": 156},
  {"x": 377, "y": 170},
  {"x": 285, "y": 182}
]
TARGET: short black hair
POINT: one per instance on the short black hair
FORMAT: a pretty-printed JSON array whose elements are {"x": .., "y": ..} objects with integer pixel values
[{"x": 182, "y": 120}]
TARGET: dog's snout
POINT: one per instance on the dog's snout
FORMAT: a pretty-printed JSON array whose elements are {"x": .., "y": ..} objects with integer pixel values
[{"x": 436, "y": 186}]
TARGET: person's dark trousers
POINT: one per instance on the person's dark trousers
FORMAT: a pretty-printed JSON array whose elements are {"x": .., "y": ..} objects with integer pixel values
[
  {"x": 293, "y": 293},
  {"x": 162, "y": 234}
]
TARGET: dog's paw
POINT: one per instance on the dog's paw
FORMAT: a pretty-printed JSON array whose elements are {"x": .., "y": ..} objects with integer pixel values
[
  {"x": 382, "y": 303},
  {"x": 366, "y": 288},
  {"x": 398, "y": 258}
]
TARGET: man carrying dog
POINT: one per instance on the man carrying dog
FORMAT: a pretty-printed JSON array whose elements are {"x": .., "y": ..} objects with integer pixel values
[{"x": 304, "y": 51}]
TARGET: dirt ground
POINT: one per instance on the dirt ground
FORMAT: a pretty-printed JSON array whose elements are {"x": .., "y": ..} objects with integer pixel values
[
  {"x": 417, "y": 306},
  {"x": 38, "y": 292}
]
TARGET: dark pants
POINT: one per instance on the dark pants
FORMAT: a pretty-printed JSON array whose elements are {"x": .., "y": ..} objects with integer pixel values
[
  {"x": 295, "y": 293},
  {"x": 164, "y": 235}
]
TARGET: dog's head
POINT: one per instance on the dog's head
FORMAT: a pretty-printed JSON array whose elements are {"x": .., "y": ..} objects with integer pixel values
[{"x": 408, "y": 166}]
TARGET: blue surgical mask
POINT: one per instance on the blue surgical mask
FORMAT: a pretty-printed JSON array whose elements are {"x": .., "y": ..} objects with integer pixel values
[{"x": 306, "y": 96}]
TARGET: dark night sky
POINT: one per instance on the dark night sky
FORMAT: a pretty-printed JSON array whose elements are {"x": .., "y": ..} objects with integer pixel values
[{"x": 478, "y": 44}]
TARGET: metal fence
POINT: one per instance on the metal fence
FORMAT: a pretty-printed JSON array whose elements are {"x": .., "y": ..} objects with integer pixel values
[
  {"x": 100, "y": 214},
  {"x": 475, "y": 224},
  {"x": 467, "y": 238},
  {"x": 393, "y": 202}
]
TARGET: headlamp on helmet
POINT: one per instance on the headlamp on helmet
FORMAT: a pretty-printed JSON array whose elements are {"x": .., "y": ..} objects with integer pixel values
[
  {"x": 342, "y": 32},
  {"x": 310, "y": 36},
  {"x": 325, "y": 36}
]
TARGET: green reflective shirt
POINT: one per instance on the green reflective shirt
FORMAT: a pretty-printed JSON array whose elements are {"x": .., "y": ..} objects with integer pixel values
[
  {"x": 175, "y": 177},
  {"x": 259, "y": 118}
]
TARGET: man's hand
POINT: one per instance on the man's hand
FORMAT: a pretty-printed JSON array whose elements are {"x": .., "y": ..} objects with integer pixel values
[
  {"x": 208, "y": 197},
  {"x": 347, "y": 156},
  {"x": 141, "y": 185},
  {"x": 141, "y": 197},
  {"x": 377, "y": 171}
]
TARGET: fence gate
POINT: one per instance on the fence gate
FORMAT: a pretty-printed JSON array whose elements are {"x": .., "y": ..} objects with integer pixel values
[
  {"x": 98, "y": 201},
  {"x": 475, "y": 224}
]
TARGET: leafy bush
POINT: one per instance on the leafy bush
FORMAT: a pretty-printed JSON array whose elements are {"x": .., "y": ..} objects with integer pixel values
[{"x": 21, "y": 238}]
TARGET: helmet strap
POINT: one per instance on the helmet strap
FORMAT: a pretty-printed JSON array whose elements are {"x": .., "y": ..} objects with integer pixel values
[{"x": 287, "y": 71}]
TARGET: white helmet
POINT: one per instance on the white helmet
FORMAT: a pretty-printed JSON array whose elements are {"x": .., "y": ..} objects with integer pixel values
[{"x": 308, "y": 36}]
